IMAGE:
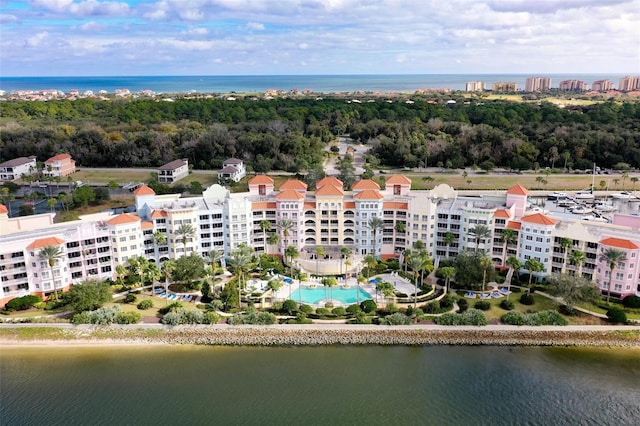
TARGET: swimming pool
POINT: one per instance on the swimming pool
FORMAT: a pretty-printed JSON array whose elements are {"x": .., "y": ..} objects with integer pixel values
[{"x": 346, "y": 296}]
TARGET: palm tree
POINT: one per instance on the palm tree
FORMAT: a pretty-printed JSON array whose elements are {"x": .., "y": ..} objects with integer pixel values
[
  {"x": 167, "y": 269},
  {"x": 515, "y": 265},
  {"x": 291, "y": 252},
  {"x": 416, "y": 263},
  {"x": 51, "y": 202},
  {"x": 345, "y": 253},
  {"x": 565, "y": 243},
  {"x": 319, "y": 252},
  {"x": 635, "y": 180},
  {"x": 479, "y": 233},
  {"x": 160, "y": 238},
  {"x": 371, "y": 262},
  {"x": 376, "y": 224},
  {"x": 447, "y": 272},
  {"x": 625, "y": 176},
  {"x": 577, "y": 258},
  {"x": 240, "y": 261},
  {"x": 485, "y": 264},
  {"x": 214, "y": 257},
  {"x": 138, "y": 265},
  {"x": 185, "y": 231},
  {"x": 613, "y": 257},
  {"x": 508, "y": 236},
  {"x": 265, "y": 226},
  {"x": 273, "y": 239},
  {"x": 285, "y": 225},
  {"x": 51, "y": 254},
  {"x": 153, "y": 273},
  {"x": 121, "y": 272},
  {"x": 449, "y": 238},
  {"x": 533, "y": 265}
]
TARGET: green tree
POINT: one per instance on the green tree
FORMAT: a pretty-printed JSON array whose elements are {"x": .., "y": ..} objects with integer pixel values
[
  {"x": 51, "y": 254},
  {"x": 285, "y": 226},
  {"x": 371, "y": 262},
  {"x": 240, "y": 262},
  {"x": 507, "y": 237},
  {"x": 188, "y": 269},
  {"x": 447, "y": 272},
  {"x": 51, "y": 203},
  {"x": 613, "y": 257},
  {"x": 167, "y": 268},
  {"x": 160, "y": 238},
  {"x": 185, "y": 232},
  {"x": 533, "y": 266},
  {"x": 572, "y": 290},
  {"x": 565, "y": 245},
  {"x": 121, "y": 275},
  {"x": 376, "y": 224},
  {"x": 290, "y": 253},
  {"x": 347, "y": 172},
  {"x": 479, "y": 234},
  {"x": 138, "y": 266},
  {"x": 577, "y": 258},
  {"x": 88, "y": 295},
  {"x": 330, "y": 282},
  {"x": 83, "y": 196},
  {"x": 273, "y": 239},
  {"x": 449, "y": 239},
  {"x": 634, "y": 179},
  {"x": 345, "y": 254},
  {"x": 320, "y": 252},
  {"x": 416, "y": 263},
  {"x": 515, "y": 265},
  {"x": 486, "y": 265}
]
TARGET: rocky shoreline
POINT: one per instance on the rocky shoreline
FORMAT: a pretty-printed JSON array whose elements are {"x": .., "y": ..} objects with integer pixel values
[{"x": 316, "y": 336}]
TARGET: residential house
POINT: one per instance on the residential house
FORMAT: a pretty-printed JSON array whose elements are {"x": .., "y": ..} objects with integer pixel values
[
  {"x": 232, "y": 169},
  {"x": 173, "y": 171},
  {"x": 60, "y": 165},
  {"x": 13, "y": 169}
]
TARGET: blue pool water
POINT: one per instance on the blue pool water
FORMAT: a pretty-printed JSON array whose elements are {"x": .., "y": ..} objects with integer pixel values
[{"x": 346, "y": 296}]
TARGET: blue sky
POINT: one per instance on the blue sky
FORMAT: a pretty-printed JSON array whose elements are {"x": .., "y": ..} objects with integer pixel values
[{"x": 244, "y": 37}]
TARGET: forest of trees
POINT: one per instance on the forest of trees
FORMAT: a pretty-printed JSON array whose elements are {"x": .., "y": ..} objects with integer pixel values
[{"x": 290, "y": 134}]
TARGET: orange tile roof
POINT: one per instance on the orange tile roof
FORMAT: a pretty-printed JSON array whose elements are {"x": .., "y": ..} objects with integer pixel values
[
  {"x": 293, "y": 184},
  {"x": 350, "y": 205},
  {"x": 365, "y": 184},
  {"x": 289, "y": 194},
  {"x": 399, "y": 179},
  {"x": 256, "y": 205},
  {"x": 502, "y": 213},
  {"x": 394, "y": 205},
  {"x": 514, "y": 225},
  {"x": 539, "y": 219},
  {"x": 329, "y": 190},
  {"x": 58, "y": 158},
  {"x": 158, "y": 214},
  {"x": 144, "y": 190},
  {"x": 43, "y": 242},
  {"x": 368, "y": 194},
  {"x": 122, "y": 219},
  {"x": 309, "y": 205},
  {"x": 261, "y": 180},
  {"x": 329, "y": 180},
  {"x": 620, "y": 243},
  {"x": 3, "y": 209},
  {"x": 146, "y": 224},
  {"x": 518, "y": 190}
]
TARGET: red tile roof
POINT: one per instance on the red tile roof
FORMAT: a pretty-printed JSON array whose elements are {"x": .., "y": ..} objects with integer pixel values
[
  {"x": 144, "y": 190},
  {"x": 58, "y": 158},
  {"x": 365, "y": 184},
  {"x": 309, "y": 205},
  {"x": 3, "y": 209},
  {"x": 329, "y": 180},
  {"x": 399, "y": 179},
  {"x": 620, "y": 243},
  {"x": 122, "y": 219},
  {"x": 349, "y": 204},
  {"x": 293, "y": 184},
  {"x": 514, "y": 225},
  {"x": 43, "y": 242},
  {"x": 394, "y": 205},
  {"x": 329, "y": 190},
  {"x": 502, "y": 213},
  {"x": 518, "y": 190},
  {"x": 263, "y": 205},
  {"x": 289, "y": 194},
  {"x": 539, "y": 219},
  {"x": 261, "y": 180},
  {"x": 146, "y": 224},
  {"x": 158, "y": 214},
  {"x": 368, "y": 194}
]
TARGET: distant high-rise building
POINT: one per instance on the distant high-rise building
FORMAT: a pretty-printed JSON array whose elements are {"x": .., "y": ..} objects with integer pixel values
[
  {"x": 504, "y": 86},
  {"x": 602, "y": 86},
  {"x": 475, "y": 86},
  {"x": 573, "y": 85},
  {"x": 629, "y": 83},
  {"x": 537, "y": 84}
]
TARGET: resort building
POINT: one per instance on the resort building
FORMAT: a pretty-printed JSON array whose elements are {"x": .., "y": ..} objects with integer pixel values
[
  {"x": 537, "y": 84},
  {"x": 629, "y": 83},
  {"x": 504, "y": 86},
  {"x": 173, "y": 171},
  {"x": 602, "y": 86},
  {"x": 14, "y": 169},
  {"x": 60, "y": 166},
  {"x": 475, "y": 86},
  {"x": 572, "y": 86},
  {"x": 371, "y": 219},
  {"x": 232, "y": 169}
]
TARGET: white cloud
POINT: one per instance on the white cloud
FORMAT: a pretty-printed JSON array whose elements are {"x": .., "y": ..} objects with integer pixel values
[
  {"x": 92, "y": 26},
  {"x": 256, "y": 26},
  {"x": 8, "y": 18},
  {"x": 303, "y": 46}
]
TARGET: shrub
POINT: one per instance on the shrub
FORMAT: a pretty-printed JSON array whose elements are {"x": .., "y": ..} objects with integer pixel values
[
  {"x": 470, "y": 317},
  {"x": 252, "y": 317},
  {"x": 217, "y": 304},
  {"x": 128, "y": 318},
  {"x": 483, "y": 305},
  {"x": 632, "y": 302},
  {"x": 507, "y": 305},
  {"x": 289, "y": 306},
  {"x": 512, "y": 318},
  {"x": 339, "y": 311},
  {"x": 145, "y": 304},
  {"x": 22, "y": 303},
  {"x": 130, "y": 298},
  {"x": 536, "y": 319},
  {"x": 446, "y": 302},
  {"x": 102, "y": 316},
  {"x": 305, "y": 309},
  {"x": 323, "y": 311},
  {"x": 527, "y": 299},
  {"x": 210, "y": 318},
  {"x": 616, "y": 315},
  {"x": 368, "y": 306},
  {"x": 353, "y": 309},
  {"x": 328, "y": 305},
  {"x": 463, "y": 304},
  {"x": 396, "y": 319},
  {"x": 362, "y": 318},
  {"x": 432, "y": 308},
  {"x": 171, "y": 307}
]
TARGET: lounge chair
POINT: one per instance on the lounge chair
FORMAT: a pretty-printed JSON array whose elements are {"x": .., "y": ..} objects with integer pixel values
[
  {"x": 485, "y": 295},
  {"x": 496, "y": 294},
  {"x": 504, "y": 290},
  {"x": 470, "y": 295}
]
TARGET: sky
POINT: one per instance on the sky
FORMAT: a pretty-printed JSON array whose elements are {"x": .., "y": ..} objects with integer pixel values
[{"x": 306, "y": 37}]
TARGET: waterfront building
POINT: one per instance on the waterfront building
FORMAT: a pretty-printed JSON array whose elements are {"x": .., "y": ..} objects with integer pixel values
[
  {"x": 60, "y": 166},
  {"x": 629, "y": 83},
  {"x": 602, "y": 86},
  {"x": 504, "y": 86},
  {"x": 537, "y": 84},
  {"x": 475, "y": 86},
  {"x": 330, "y": 217},
  {"x": 572, "y": 86},
  {"x": 173, "y": 171},
  {"x": 14, "y": 169}
]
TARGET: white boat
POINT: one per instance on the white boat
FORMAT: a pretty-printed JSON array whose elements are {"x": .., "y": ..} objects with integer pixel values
[
  {"x": 592, "y": 218},
  {"x": 602, "y": 206},
  {"x": 624, "y": 195},
  {"x": 584, "y": 195},
  {"x": 555, "y": 196},
  {"x": 581, "y": 210}
]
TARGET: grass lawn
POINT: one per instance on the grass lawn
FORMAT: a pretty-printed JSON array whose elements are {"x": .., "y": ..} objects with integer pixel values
[
  {"x": 631, "y": 313},
  {"x": 115, "y": 202},
  {"x": 122, "y": 176},
  {"x": 541, "y": 304}
]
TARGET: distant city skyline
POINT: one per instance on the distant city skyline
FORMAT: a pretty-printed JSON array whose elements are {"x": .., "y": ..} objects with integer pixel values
[{"x": 311, "y": 37}]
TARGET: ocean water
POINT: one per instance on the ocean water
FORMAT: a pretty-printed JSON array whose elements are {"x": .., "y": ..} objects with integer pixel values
[
  {"x": 257, "y": 83},
  {"x": 371, "y": 385}
]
